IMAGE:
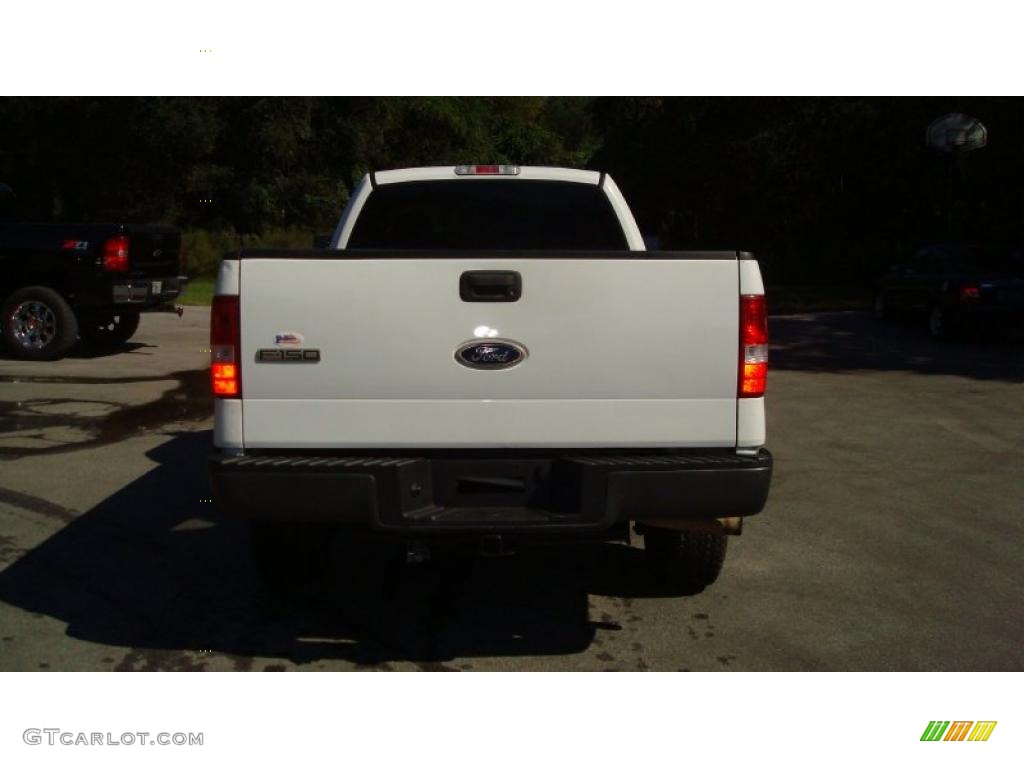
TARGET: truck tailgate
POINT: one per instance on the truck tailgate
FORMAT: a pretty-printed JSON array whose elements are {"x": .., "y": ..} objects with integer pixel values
[
  {"x": 620, "y": 352},
  {"x": 154, "y": 250}
]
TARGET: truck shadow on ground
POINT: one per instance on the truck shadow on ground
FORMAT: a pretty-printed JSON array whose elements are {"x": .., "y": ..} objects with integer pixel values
[
  {"x": 47, "y": 425},
  {"x": 154, "y": 568},
  {"x": 855, "y": 341}
]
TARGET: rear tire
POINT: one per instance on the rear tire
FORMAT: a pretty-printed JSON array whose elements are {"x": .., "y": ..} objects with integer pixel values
[
  {"x": 684, "y": 560},
  {"x": 38, "y": 324},
  {"x": 109, "y": 330}
]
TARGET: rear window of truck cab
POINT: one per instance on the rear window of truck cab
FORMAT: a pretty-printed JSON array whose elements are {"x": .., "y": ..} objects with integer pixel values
[{"x": 488, "y": 214}]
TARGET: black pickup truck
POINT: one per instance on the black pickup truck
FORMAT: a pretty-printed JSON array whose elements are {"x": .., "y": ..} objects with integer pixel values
[{"x": 63, "y": 282}]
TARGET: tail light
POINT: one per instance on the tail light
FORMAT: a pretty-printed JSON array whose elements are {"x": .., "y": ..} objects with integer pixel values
[
  {"x": 115, "y": 254},
  {"x": 225, "y": 351},
  {"x": 753, "y": 346},
  {"x": 969, "y": 292}
]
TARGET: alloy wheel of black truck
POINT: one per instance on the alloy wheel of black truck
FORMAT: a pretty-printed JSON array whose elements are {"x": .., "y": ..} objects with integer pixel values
[
  {"x": 109, "y": 330},
  {"x": 684, "y": 560},
  {"x": 38, "y": 324}
]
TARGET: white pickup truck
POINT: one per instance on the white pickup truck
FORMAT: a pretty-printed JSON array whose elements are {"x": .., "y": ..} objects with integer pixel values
[{"x": 488, "y": 354}]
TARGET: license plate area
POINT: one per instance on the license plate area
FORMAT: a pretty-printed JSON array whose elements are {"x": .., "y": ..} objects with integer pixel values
[
  {"x": 500, "y": 494},
  {"x": 484, "y": 483}
]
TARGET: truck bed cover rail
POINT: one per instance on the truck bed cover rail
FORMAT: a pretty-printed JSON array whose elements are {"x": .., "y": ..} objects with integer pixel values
[{"x": 336, "y": 253}]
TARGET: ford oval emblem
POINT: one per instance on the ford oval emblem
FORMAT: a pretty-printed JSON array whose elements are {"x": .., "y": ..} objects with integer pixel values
[{"x": 490, "y": 354}]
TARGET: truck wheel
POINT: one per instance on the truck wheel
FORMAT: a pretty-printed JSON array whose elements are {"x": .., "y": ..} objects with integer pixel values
[
  {"x": 288, "y": 555},
  {"x": 38, "y": 324},
  {"x": 684, "y": 560},
  {"x": 109, "y": 330}
]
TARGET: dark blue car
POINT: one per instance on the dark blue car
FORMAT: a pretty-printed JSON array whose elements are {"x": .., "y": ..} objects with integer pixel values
[{"x": 955, "y": 289}]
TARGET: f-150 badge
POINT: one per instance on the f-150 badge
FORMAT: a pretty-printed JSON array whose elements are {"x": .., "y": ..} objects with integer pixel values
[
  {"x": 490, "y": 354},
  {"x": 288, "y": 356}
]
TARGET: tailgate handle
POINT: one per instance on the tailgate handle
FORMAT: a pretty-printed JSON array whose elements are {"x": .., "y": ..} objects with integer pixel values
[{"x": 491, "y": 285}]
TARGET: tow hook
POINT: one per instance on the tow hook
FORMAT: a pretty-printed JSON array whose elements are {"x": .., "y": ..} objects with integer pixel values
[{"x": 169, "y": 309}]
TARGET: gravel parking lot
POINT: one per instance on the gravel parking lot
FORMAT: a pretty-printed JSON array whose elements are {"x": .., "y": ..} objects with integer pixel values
[{"x": 892, "y": 539}]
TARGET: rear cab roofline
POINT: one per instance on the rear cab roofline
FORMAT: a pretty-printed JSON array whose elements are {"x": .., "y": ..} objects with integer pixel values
[
  {"x": 526, "y": 173},
  {"x": 371, "y": 181}
]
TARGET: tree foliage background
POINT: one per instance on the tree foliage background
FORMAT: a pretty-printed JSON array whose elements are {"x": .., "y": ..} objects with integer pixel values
[{"x": 825, "y": 189}]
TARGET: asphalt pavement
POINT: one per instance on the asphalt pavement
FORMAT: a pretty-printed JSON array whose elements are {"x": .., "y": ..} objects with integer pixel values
[{"x": 892, "y": 539}]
